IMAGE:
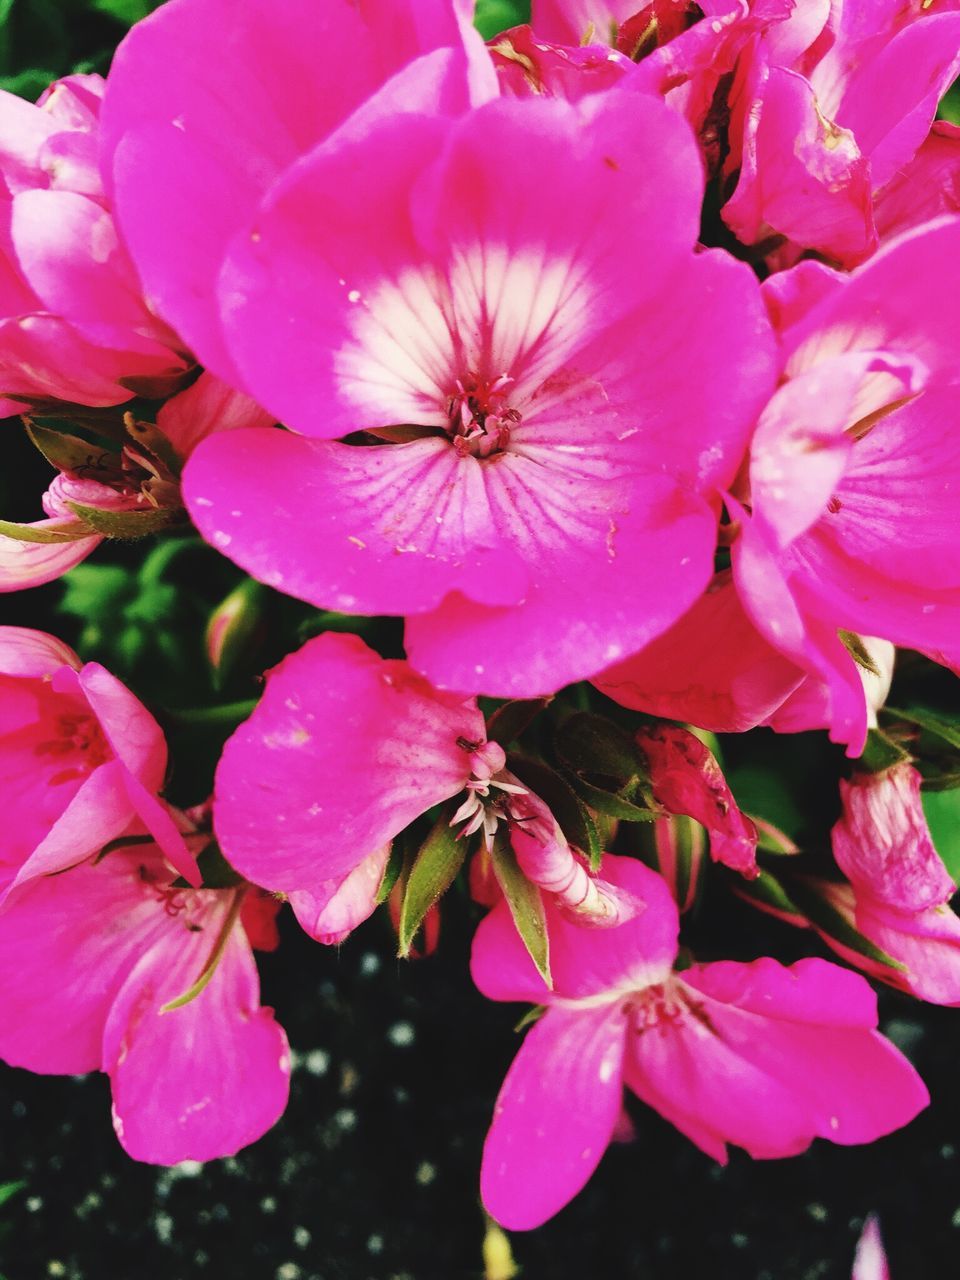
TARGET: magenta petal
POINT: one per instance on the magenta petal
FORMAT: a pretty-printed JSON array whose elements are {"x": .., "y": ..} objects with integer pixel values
[
  {"x": 927, "y": 942},
  {"x": 331, "y": 911},
  {"x": 155, "y": 816},
  {"x": 203, "y": 1080},
  {"x": 713, "y": 668},
  {"x": 925, "y": 188},
  {"x": 67, "y": 944},
  {"x": 31, "y": 564},
  {"x": 25, "y": 652},
  {"x": 135, "y": 737},
  {"x": 555, "y": 1115},
  {"x": 344, "y": 750}
]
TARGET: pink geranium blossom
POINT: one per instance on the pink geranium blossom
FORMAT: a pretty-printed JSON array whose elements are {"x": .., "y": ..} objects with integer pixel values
[
  {"x": 854, "y": 468},
  {"x": 541, "y": 502},
  {"x": 343, "y": 752},
  {"x": 80, "y": 758},
  {"x": 757, "y": 1055},
  {"x": 73, "y": 323},
  {"x": 196, "y": 108},
  {"x": 100, "y": 954}
]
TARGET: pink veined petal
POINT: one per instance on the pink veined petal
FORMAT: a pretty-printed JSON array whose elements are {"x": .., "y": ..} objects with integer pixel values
[
  {"x": 400, "y": 525},
  {"x": 584, "y": 962},
  {"x": 791, "y": 295},
  {"x": 343, "y": 751},
  {"x": 154, "y": 815},
  {"x": 203, "y": 1080},
  {"x": 810, "y": 991},
  {"x": 68, "y": 943},
  {"x": 201, "y": 72},
  {"x": 23, "y": 131},
  {"x": 927, "y": 942},
  {"x": 331, "y": 911},
  {"x": 555, "y": 1115},
  {"x": 31, "y": 564},
  {"x": 25, "y": 652},
  {"x": 713, "y": 668}
]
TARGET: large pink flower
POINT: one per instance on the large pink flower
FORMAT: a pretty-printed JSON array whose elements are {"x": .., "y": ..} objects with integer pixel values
[
  {"x": 482, "y": 295},
  {"x": 73, "y": 323},
  {"x": 98, "y": 953},
  {"x": 210, "y": 101},
  {"x": 854, "y": 468},
  {"x": 80, "y": 759},
  {"x": 757, "y": 1055}
]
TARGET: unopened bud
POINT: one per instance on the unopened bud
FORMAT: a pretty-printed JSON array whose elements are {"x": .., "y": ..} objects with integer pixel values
[{"x": 232, "y": 628}]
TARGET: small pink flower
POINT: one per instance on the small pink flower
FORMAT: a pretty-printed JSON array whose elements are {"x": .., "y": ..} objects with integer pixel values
[
  {"x": 342, "y": 753},
  {"x": 101, "y": 955},
  {"x": 74, "y": 325},
  {"x": 882, "y": 843},
  {"x": 81, "y": 759},
  {"x": 686, "y": 778},
  {"x": 757, "y": 1055}
]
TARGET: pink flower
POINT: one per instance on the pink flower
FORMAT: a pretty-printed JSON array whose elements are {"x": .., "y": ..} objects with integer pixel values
[
  {"x": 80, "y": 757},
  {"x": 528, "y": 66},
  {"x": 882, "y": 843},
  {"x": 73, "y": 323},
  {"x": 925, "y": 188},
  {"x": 541, "y": 502},
  {"x": 758, "y": 1055},
  {"x": 854, "y": 467},
  {"x": 581, "y": 22},
  {"x": 214, "y": 120},
  {"x": 342, "y": 753},
  {"x": 828, "y": 107},
  {"x": 205, "y": 407},
  {"x": 101, "y": 953}
]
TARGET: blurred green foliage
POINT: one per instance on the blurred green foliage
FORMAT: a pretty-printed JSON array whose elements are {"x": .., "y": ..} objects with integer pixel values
[{"x": 494, "y": 16}]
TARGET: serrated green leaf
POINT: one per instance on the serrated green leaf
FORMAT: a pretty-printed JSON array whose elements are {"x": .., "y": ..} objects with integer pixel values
[
  {"x": 526, "y": 906},
  {"x": 830, "y": 921},
  {"x": 881, "y": 752},
  {"x": 434, "y": 870},
  {"x": 948, "y": 730},
  {"x": 127, "y": 524},
  {"x": 562, "y": 801},
  {"x": 66, "y": 531}
]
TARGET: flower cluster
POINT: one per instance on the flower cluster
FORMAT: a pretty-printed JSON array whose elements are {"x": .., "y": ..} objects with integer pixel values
[{"x": 619, "y": 352}]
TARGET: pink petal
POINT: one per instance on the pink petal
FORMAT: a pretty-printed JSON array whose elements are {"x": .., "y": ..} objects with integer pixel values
[
  {"x": 331, "y": 911},
  {"x": 555, "y": 1115},
  {"x": 206, "y": 406},
  {"x": 583, "y": 962},
  {"x": 686, "y": 778},
  {"x": 203, "y": 1080},
  {"x": 25, "y": 652},
  {"x": 31, "y": 564},
  {"x": 926, "y": 187},
  {"x": 343, "y": 751},
  {"x": 212, "y": 122},
  {"x": 871, "y": 1260},
  {"x": 713, "y": 668},
  {"x": 70, "y": 940},
  {"x": 135, "y": 737},
  {"x": 569, "y": 21},
  {"x": 927, "y": 942}
]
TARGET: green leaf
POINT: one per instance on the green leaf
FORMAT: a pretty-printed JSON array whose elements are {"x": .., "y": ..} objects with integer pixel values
[
  {"x": 9, "y": 1189},
  {"x": 611, "y": 804},
  {"x": 563, "y": 802},
  {"x": 434, "y": 869},
  {"x": 126, "y": 11},
  {"x": 767, "y": 892},
  {"x": 154, "y": 442},
  {"x": 942, "y": 811},
  {"x": 127, "y": 524},
  {"x": 526, "y": 906},
  {"x": 947, "y": 729},
  {"x": 391, "y": 872},
  {"x": 67, "y": 531},
  {"x": 881, "y": 752},
  {"x": 494, "y": 16},
  {"x": 68, "y": 452},
  {"x": 607, "y": 768},
  {"x": 830, "y": 921},
  {"x": 509, "y": 721}
]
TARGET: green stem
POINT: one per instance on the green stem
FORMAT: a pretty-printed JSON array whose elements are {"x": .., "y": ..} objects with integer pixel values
[
  {"x": 163, "y": 555},
  {"x": 216, "y": 955},
  {"x": 226, "y": 713}
]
